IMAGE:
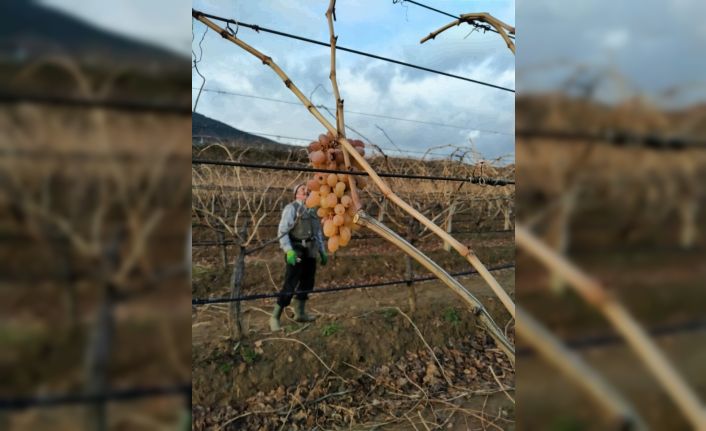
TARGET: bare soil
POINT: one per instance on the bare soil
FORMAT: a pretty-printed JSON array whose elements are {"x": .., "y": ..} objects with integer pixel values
[{"x": 362, "y": 347}]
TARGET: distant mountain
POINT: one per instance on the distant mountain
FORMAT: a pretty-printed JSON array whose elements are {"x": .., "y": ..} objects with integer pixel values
[
  {"x": 205, "y": 130},
  {"x": 29, "y": 30}
]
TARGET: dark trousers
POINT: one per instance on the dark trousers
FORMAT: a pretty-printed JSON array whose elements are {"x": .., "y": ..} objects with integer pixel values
[{"x": 298, "y": 278}]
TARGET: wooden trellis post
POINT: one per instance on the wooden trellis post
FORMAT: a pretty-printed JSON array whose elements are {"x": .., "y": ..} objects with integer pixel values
[
  {"x": 188, "y": 251},
  {"x": 71, "y": 277},
  {"x": 449, "y": 223},
  {"x": 236, "y": 282},
  {"x": 559, "y": 231},
  {"x": 688, "y": 210},
  {"x": 409, "y": 273},
  {"x": 97, "y": 360},
  {"x": 100, "y": 345},
  {"x": 506, "y": 209},
  {"x": 383, "y": 207},
  {"x": 224, "y": 248}
]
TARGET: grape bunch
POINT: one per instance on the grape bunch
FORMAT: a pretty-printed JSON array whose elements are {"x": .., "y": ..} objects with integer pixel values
[{"x": 331, "y": 192}]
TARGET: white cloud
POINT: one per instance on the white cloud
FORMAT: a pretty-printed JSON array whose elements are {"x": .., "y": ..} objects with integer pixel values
[
  {"x": 473, "y": 135},
  {"x": 366, "y": 85},
  {"x": 649, "y": 42},
  {"x": 614, "y": 39},
  {"x": 160, "y": 22}
]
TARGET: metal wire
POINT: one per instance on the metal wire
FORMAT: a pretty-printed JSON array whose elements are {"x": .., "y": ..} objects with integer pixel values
[
  {"x": 257, "y": 28},
  {"x": 75, "y": 102},
  {"x": 204, "y": 301},
  {"x": 87, "y": 155},
  {"x": 121, "y": 395},
  {"x": 607, "y": 340},
  {"x": 615, "y": 137},
  {"x": 210, "y": 243},
  {"x": 474, "y": 24},
  {"x": 472, "y": 179},
  {"x": 367, "y": 114}
]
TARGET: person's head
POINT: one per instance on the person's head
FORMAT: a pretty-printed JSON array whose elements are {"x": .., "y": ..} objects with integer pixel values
[{"x": 300, "y": 192}]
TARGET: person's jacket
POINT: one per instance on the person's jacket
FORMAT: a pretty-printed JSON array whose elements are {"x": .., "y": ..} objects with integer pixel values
[{"x": 300, "y": 226}]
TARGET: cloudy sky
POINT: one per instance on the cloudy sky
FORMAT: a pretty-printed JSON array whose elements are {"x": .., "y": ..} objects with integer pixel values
[
  {"x": 164, "y": 23},
  {"x": 466, "y": 111},
  {"x": 648, "y": 47}
]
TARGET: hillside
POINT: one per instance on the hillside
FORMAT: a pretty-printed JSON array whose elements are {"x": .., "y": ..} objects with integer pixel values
[
  {"x": 29, "y": 30},
  {"x": 205, "y": 130}
]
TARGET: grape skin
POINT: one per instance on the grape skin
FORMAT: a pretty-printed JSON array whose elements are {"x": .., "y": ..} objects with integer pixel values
[{"x": 329, "y": 191}]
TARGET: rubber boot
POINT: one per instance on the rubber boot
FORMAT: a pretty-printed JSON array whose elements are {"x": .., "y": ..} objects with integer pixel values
[
  {"x": 274, "y": 320},
  {"x": 300, "y": 312}
]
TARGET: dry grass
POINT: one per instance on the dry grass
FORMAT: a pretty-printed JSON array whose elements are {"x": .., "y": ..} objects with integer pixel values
[{"x": 94, "y": 192}]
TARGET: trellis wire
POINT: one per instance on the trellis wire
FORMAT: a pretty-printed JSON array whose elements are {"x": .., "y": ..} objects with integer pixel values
[
  {"x": 258, "y": 28},
  {"x": 89, "y": 103},
  {"x": 204, "y": 301},
  {"x": 208, "y": 243},
  {"x": 620, "y": 138},
  {"x": 120, "y": 395},
  {"x": 606, "y": 340},
  {"x": 472, "y": 179},
  {"x": 474, "y": 24}
]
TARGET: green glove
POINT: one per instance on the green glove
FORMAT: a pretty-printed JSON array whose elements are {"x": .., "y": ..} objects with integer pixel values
[
  {"x": 324, "y": 258},
  {"x": 292, "y": 257}
]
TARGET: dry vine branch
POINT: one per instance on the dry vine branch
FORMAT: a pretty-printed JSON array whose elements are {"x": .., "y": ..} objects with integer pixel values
[
  {"x": 502, "y": 28},
  {"x": 478, "y": 309},
  {"x": 540, "y": 338},
  {"x": 330, "y": 15},
  {"x": 340, "y": 123},
  {"x": 576, "y": 370},
  {"x": 233, "y": 207},
  {"x": 596, "y": 295}
]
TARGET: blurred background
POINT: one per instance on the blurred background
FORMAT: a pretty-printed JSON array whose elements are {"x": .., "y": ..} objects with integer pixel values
[
  {"x": 94, "y": 215},
  {"x": 95, "y": 191},
  {"x": 611, "y": 162}
]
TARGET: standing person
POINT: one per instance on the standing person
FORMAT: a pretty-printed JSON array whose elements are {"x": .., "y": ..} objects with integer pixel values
[{"x": 301, "y": 240}]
